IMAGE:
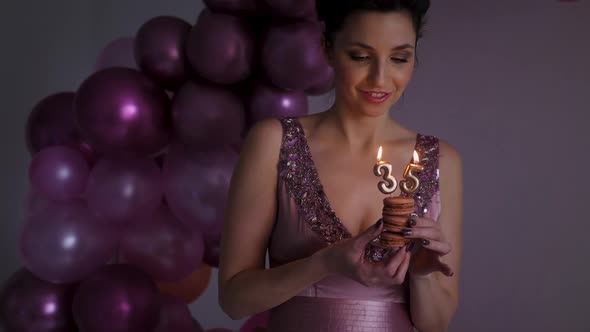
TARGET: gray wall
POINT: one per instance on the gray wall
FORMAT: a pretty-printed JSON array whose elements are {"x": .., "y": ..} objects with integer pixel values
[{"x": 502, "y": 81}]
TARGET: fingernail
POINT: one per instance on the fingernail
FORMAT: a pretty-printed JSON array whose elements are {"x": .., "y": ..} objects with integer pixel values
[
  {"x": 412, "y": 222},
  {"x": 425, "y": 242},
  {"x": 407, "y": 232},
  {"x": 410, "y": 246},
  {"x": 378, "y": 223},
  {"x": 413, "y": 215}
]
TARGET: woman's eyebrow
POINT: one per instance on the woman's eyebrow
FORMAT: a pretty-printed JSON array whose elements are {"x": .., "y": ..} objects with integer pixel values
[{"x": 396, "y": 48}]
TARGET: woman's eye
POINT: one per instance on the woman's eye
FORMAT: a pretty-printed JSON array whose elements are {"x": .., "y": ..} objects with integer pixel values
[
  {"x": 359, "y": 57},
  {"x": 399, "y": 60}
]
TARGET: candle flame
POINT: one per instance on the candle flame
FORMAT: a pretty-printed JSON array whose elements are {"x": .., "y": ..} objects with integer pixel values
[
  {"x": 416, "y": 158},
  {"x": 380, "y": 153}
]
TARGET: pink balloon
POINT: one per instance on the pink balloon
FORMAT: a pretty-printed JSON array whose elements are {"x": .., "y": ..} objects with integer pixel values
[
  {"x": 123, "y": 113},
  {"x": 220, "y": 49},
  {"x": 163, "y": 247},
  {"x": 159, "y": 50},
  {"x": 64, "y": 243},
  {"x": 59, "y": 172},
  {"x": 174, "y": 316},
  {"x": 207, "y": 116},
  {"x": 268, "y": 101},
  {"x": 196, "y": 186},
  {"x": 28, "y": 303},
  {"x": 294, "y": 8},
  {"x": 292, "y": 55},
  {"x": 117, "y": 53},
  {"x": 125, "y": 191},
  {"x": 212, "y": 251},
  {"x": 256, "y": 321},
  {"x": 117, "y": 298}
]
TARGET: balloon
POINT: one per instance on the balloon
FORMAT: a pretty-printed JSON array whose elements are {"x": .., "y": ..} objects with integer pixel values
[
  {"x": 117, "y": 298},
  {"x": 211, "y": 256},
  {"x": 196, "y": 186},
  {"x": 206, "y": 116},
  {"x": 241, "y": 6},
  {"x": 292, "y": 55},
  {"x": 59, "y": 172},
  {"x": 174, "y": 316},
  {"x": 117, "y": 53},
  {"x": 294, "y": 8},
  {"x": 163, "y": 247},
  {"x": 28, "y": 303},
  {"x": 123, "y": 112},
  {"x": 124, "y": 191},
  {"x": 259, "y": 320},
  {"x": 220, "y": 49},
  {"x": 190, "y": 288},
  {"x": 159, "y": 50},
  {"x": 52, "y": 122},
  {"x": 324, "y": 84},
  {"x": 271, "y": 102},
  {"x": 64, "y": 243},
  {"x": 219, "y": 329}
]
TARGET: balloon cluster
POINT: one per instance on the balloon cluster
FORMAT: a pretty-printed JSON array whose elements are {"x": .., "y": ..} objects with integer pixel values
[{"x": 130, "y": 173}]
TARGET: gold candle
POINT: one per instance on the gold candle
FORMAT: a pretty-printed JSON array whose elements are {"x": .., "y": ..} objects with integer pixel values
[
  {"x": 411, "y": 183},
  {"x": 384, "y": 170}
]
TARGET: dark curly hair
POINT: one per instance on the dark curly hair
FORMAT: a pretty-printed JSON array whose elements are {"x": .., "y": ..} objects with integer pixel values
[{"x": 333, "y": 13}]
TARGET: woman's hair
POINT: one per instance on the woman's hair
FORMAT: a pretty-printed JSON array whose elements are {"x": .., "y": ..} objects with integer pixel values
[{"x": 333, "y": 13}]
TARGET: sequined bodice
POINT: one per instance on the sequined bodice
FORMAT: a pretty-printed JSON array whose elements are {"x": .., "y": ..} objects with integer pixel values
[{"x": 306, "y": 222}]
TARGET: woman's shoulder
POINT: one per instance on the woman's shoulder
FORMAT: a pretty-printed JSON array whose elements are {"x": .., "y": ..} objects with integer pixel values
[{"x": 264, "y": 137}]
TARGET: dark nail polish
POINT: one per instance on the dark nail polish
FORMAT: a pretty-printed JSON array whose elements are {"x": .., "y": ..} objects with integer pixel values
[
  {"x": 407, "y": 232},
  {"x": 410, "y": 246},
  {"x": 412, "y": 222},
  {"x": 378, "y": 223},
  {"x": 425, "y": 242}
]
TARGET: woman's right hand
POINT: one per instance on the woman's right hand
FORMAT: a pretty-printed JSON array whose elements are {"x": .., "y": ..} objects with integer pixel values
[{"x": 347, "y": 257}]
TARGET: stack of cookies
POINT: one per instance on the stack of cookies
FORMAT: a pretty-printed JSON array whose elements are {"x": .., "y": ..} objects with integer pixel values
[{"x": 396, "y": 214}]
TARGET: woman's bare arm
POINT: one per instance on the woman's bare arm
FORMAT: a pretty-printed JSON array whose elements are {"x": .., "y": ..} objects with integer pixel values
[{"x": 245, "y": 286}]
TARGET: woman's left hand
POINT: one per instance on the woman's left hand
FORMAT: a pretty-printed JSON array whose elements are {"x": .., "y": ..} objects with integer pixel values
[{"x": 429, "y": 246}]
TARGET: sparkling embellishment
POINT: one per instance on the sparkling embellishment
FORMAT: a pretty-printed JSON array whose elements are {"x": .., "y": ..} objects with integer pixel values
[{"x": 304, "y": 186}]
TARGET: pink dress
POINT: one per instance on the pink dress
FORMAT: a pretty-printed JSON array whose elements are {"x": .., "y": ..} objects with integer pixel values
[{"x": 306, "y": 223}]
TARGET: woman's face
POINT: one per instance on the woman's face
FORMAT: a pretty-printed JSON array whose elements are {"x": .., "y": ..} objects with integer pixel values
[{"x": 373, "y": 59}]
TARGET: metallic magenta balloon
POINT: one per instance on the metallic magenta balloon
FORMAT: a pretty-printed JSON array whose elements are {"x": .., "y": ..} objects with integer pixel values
[
  {"x": 117, "y": 53},
  {"x": 52, "y": 122},
  {"x": 124, "y": 191},
  {"x": 212, "y": 250},
  {"x": 28, "y": 303},
  {"x": 64, "y": 243},
  {"x": 220, "y": 49},
  {"x": 117, "y": 298},
  {"x": 240, "y": 6},
  {"x": 174, "y": 316},
  {"x": 268, "y": 101},
  {"x": 159, "y": 50},
  {"x": 293, "y": 8},
  {"x": 292, "y": 55},
  {"x": 196, "y": 185},
  {"x": 122, "y": 112},
  {"x": 163, "y": 247},
  {"x": 207, "y": 116},
  {"x": 59, "y": 172},
  {"x": 324, "y": 83}
]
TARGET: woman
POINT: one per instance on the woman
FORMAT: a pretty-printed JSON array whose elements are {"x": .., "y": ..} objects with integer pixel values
[{"x": 304, "y": 190}]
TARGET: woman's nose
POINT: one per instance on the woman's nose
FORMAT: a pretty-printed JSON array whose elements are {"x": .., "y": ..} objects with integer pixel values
[{"x": 378, "y": 74}]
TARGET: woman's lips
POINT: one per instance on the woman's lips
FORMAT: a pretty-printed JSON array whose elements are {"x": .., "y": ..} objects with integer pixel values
[{"x": 376, "y": 97}]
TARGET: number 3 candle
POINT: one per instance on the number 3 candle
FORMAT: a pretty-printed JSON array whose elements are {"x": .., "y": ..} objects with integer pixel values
[{"x": 384, "y": 170}]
